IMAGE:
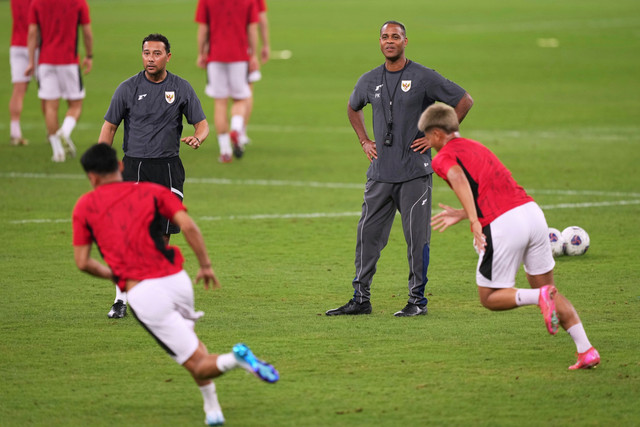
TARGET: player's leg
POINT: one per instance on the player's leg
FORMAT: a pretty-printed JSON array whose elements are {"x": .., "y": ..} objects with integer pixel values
[
  {"x": 50, "y": 111},
  {"x": 19, "y": 60},
  {"x": 414, "y": 203},
  {"x": 378, "y": 212},
  {"x": 15, "y": 111},
  {"x": 241, "y": 95}
]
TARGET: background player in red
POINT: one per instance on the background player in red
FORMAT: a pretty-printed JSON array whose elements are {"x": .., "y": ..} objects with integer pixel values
[
  {"x": 19, "y": 58},
  {"x": 508, "y": 228},
  {"x": 227, "y": 49},
  {"x": 256, "y": 75},
  {"x": 123, "y": 220},
  {"x": 55, "y": 23}
]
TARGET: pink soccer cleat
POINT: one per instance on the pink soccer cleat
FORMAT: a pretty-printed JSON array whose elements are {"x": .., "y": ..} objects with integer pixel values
[
  {"x": 548, "y": 308},
  {"x": 587, "y": 360}
]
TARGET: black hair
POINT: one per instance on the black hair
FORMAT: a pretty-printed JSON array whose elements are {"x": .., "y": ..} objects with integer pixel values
[
  {"x": 100, "y": 158},
  {"x": 399, "y": 24},
  {"x": 156, "y": 37}
]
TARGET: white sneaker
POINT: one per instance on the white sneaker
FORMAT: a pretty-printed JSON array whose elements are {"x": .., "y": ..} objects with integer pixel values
[
  {"x": 58, "y": 151},
  {"x": 67, "y": 143},
  {"x": 214, "y": 418}
]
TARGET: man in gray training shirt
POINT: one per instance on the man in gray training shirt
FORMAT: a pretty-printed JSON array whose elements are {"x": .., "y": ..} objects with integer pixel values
[
  {"x": 152, "y": 104},
  {"x": 400, "y": 174}
]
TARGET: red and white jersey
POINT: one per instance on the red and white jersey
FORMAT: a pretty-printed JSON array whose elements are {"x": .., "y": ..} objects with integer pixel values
[
  {"x": 124, "y": 219},
  {"x": 58, "y": 21},
  {"x": 228, "y": 21},
  {"x": 20, "y": 28},
  {"x": 494, "y": 189}
]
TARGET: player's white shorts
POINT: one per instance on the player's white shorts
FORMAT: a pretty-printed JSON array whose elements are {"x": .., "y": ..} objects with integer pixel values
[
  {"x": 60, "y": 82},
  {"x": 518, "y": 236},
  {"x": 19, "y": 59},
  {"x": 164, "y": 307},
  {"x": 228, "y": 80}
]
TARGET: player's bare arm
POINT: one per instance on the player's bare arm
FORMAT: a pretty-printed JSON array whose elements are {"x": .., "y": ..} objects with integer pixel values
[
  {"x": 107, "y": 133},
  {"x": 87, "y": 37},
  {"x": 200, "y": 134},
  {"x": 463, "y": 107},
  {"x": 84, "y": 262},
  {"x": 194, "y": 238},
  {"x": 460, "y": 185},
  {"x": 33, "y": 37},
  {"x": 203, "y": 45},
  {"x": 357, "y": 122},
  {"x": 254, "y": 64}
]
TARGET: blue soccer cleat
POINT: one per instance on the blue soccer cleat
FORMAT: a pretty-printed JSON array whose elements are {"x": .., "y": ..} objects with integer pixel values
[{"x": 257, "y": 367}]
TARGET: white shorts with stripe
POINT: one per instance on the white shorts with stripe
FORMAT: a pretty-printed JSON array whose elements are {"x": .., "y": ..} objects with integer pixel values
[
  {"x": 60, "y": 82},
  {"x": 228, "y": 80},
  {"x": 19, "y": 60},
  {"x": 165, "y": 308},
  {"x": 519, "y": 236}
]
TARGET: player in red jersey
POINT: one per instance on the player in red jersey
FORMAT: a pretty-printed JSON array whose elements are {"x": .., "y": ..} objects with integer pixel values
[
  {"x": 508, "y": 228},
  {"x": 19, "y": 59},
  {"x": 55, "y": 24},
  {"x": 227, "y": 49},
  {"x": 123, "y": 220},
  {"x": 256, "y": 75}
]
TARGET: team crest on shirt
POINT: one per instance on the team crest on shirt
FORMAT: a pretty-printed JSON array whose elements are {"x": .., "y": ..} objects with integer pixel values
[
  {"x": 406, "y": 85},
  {"x": 170, "y": 96}
]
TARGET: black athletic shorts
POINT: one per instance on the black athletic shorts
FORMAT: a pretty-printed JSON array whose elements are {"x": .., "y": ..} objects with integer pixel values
[{"x": 168, "y": 172}]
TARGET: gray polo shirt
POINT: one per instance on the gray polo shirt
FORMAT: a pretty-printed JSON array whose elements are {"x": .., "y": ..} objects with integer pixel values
[
  {"x": 418, "y": 88},
  {"x": 152, "y": 114}
]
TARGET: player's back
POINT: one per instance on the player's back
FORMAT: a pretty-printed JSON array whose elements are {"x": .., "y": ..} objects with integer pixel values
[{"x": 125, "y": 220}]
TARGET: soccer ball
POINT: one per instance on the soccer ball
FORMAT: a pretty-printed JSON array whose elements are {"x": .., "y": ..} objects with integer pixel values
[
  {"x": 557, "y": 242},
  {"x": 576, "y": 240}
]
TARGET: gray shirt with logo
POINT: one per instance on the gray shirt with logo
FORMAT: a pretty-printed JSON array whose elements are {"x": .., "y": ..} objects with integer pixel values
[
  {"x": 412, "y": 90},
  {"x": 152, "y": 114}
]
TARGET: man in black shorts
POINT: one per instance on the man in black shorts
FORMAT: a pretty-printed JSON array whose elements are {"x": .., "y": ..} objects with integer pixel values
[{"x": 152, "y": 104}]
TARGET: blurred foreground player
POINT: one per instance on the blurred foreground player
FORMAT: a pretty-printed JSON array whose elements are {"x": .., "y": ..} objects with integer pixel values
[
  {"x": 508, "y": 228},
  {"x": 123, "y": 219}
]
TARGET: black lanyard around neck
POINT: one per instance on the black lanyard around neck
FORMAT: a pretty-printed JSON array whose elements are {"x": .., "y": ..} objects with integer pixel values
[{"x": 391, "y": 96}]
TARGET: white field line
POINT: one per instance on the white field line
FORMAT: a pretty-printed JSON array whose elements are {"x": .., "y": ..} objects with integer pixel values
[{"x": 634, "y": 197}]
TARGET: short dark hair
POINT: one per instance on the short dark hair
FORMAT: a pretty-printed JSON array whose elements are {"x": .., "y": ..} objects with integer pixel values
[
  {"x": 156, "y": 37},
  {"x": 100, "y": 158},
  {"x": 399, "y": 24}
]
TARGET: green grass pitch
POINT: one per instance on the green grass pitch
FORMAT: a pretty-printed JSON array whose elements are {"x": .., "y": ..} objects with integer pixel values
[{"x": 557, "y": 97}]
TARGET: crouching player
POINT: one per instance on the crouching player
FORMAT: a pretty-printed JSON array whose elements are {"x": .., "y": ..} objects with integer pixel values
[
  {"x": 124, "y": 220},
  {"x": 508, "y": 228}
]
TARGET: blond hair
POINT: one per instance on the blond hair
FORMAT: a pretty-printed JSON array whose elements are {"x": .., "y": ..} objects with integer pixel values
[{"x": 439, "y": 116}]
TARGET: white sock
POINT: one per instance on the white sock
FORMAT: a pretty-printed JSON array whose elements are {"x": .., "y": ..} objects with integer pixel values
[
  {"x": 16, "y": 131},
  {"x": 226, "y": 362},
  {"x": 527, "y": 296},
  {"x": 210, "y": 397},
  {"x": 579, "y": 337},
  {"x": 224, "y": 141},
  {"x": 67, "y": 126},
  {"x": 120, "y": 295},
  {"x": 237, "y": 123}
]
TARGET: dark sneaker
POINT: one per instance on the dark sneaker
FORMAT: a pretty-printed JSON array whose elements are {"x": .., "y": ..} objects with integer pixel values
[
  {"x": 238, "y": 149},
  {"x": 351, "y": 307},
  {"x": 411, "y": 310},
  {"x": 118, "y": 310}
]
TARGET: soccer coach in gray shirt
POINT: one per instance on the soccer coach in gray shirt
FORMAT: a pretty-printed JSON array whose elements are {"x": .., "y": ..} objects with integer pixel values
[
  {"x": 400, "y": 173},
  {"x": 152, "y": 104}
]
